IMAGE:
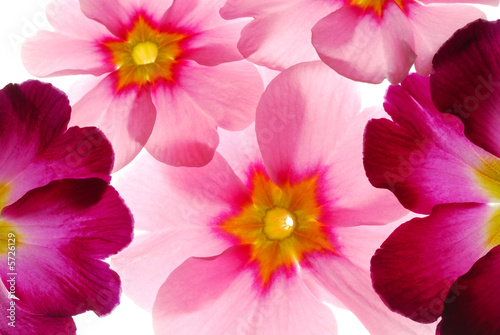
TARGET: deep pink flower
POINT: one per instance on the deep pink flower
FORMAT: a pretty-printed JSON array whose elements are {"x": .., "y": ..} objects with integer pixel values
[
  {"x": 445, "y": 264},
  {"x": 58, "y": 215},
  {"x": 365, "y": 40},
  {"x": 168, "y": 76},
  {"x": 275, "y": 229}
]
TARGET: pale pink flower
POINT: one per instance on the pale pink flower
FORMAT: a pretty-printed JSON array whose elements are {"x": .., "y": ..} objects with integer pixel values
[
  {"x": 281, "y": 219},
  {"x": 169, "y": 74},
  {"x": 365, "y": 40}
]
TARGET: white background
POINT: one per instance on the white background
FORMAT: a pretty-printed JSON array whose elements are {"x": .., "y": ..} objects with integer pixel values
[{"x": 20, "y": 19}]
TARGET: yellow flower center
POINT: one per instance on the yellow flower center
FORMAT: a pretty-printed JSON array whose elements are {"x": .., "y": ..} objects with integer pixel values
[
  {"x": 488, "y": 176},
  {"x": 9, "y": 239},
  {"x": 146, "y": 56},
  {"x": 278, "y": 223},
  {"x": 281, "y": 223},
  {"x": 374, "y": 5},
  {"x": 145, "y": 53}
]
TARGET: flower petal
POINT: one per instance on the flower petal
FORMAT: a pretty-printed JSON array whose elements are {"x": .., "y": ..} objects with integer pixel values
[
  {"x": 79, "y": 153},
  {"x": 55, "y": 54},
  {"x": 423, "y": 156},
  {"x": 416, "y": 266},
  {"x": 218, "y": 292},
  {"x": 365, "y": 47},
  {"x": 301, "y": 129},
  {"x": 62, "y": 230},
  {"x": 67, "y": 18},
  {"x": 183, "y": 135},
  {"x": 352, "y": 286},
  {"x": 433, "y": 25},
  {"x": 466, "y": 79},
  {"x": 479, "y": 2},
  {"x": 473, "y": 306},
  {"x": 238, "y": 86},
  {"x": 191, "y": 199},
  {"x": 21, "y": 322},
  {"x": 281, "y": 37},
  {"x": 126, "y": 118},
  {"x": 111, "y": 13},
  {"x": 33, "y": 115}
]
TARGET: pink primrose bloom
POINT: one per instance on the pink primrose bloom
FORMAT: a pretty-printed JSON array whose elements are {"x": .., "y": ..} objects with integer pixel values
[
  {"x": 281, "y": 219},
  {"x": 446, "y": 264},
  {"x": 364, "y": 40},
  {"x": 59, "y": 217},
  {"x": 169, "y": 74}
]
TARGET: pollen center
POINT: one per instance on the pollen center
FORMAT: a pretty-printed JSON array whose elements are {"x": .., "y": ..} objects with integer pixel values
[
  {"x": 279, "y": 223},
  {"x": 145, "y": 53}
]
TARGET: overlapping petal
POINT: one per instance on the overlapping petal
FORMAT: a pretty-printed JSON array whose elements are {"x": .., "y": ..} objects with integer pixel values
[
  {"x": 417, "y": 265},
  {"x": 180, "y": 302},
  {"x": 431, "y": 161},
  {"x": 366, "y": 48},
  {"x": 299, "y": 132},
  {"x": 465, "y": 81},
  {"x": 127, "y": 118},
  {"x": 472, "y": 307},
  {"x": 181, "y": 227}
]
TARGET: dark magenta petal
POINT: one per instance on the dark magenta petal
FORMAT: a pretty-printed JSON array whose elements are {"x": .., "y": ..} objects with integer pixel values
[
  {"x": 416, "y": 266},
  {"x": 63, "y": 230},
  {"x": 18, "y": 321},
  {"x": 78, "y": 153},
  {"x": 422, "y": 156},
  {"x": 32, "y": 114},
  {"x": 466, "y": 81},
  {"x": 473, "y": 305}
]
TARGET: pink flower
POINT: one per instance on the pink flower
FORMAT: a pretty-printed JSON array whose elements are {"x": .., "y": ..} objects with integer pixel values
[
  {"x": 168, "y": 76},
  {"x": 446, "y": 264},
  {"x": 58, "y": 215},
  {"x": 365, "y": 40},
  {"x": 275, "y": 229}
]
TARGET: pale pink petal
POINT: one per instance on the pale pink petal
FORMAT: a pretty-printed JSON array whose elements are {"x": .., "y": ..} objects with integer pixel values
[
  {"x": 67, "y": 18},
  {"x": 281, "y": 39},
  {"x": 184, "y": 134},
  {"x": 153, "y": 9},
  {"x": 193, "y": 15},
  {"x": 351, "y": 284},
  {"x": 110, "y": 13},
  {"x": 216, "y": 295},
  {"x": 233, "y": 9},
  {"x": 416, "y": 266},
  {"x": 54, "y": 54},
  {"x": 229, "y": 93},
  {"x": 216, "y": 45},
  {"x": 239, "y": 149},
  {"x": 365, "y": 47},
  {"x": 181, "y": 227},
  {"x": 301, "y": 129},
  {"x": 433, "y": 25},
  {"x": 126, "y": 117},
  {"x": 479, "y": 2}
]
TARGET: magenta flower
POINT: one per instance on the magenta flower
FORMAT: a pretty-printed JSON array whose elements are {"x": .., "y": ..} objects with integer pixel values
[
  {"x": 58, "y": 215},
  {"x": 365, "y": 40},
  {"x": 447, "y": 263},
  {"x": 168, "y": 76},
  {"x": 275, "y": 228}
]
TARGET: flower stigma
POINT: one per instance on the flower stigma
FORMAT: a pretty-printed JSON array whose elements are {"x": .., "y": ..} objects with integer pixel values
[{"x": 145, "y": 53}]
